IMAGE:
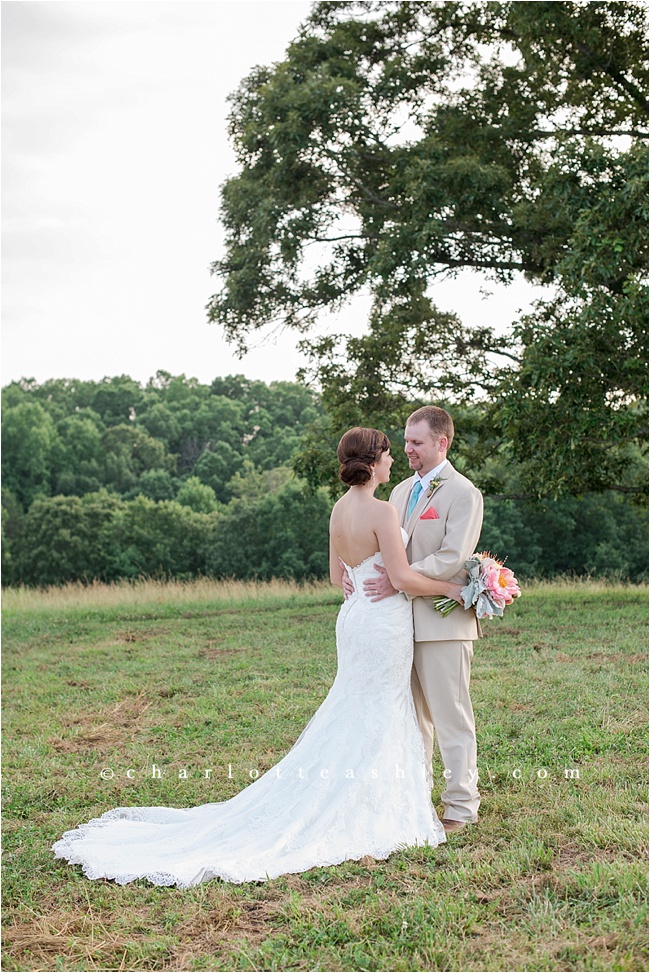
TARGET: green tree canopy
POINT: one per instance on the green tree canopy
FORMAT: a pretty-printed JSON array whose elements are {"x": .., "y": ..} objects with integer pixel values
[
  {"x": 217, "y": 466},
  {"x": 281, "y": 535},
  {"x": 66, "y": 539},
  {"x": 198, "y": 496},
  {"x": 164, "y": 538},
  {"x": 31, "y": 451},
  {"x": 82, "y": 455},
  {"x": 400, "y": 142},
  {"x": 129, "y": 452}
]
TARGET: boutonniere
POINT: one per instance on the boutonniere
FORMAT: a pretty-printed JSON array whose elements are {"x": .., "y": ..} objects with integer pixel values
[{"x": 433, "y": 486}]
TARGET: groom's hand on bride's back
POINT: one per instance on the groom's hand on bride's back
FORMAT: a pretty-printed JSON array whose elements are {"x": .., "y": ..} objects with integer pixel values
[{"x": 379, "y": 585}]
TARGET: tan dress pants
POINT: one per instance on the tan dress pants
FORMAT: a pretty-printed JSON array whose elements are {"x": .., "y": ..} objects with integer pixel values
[{"x": 440, "y": 682}]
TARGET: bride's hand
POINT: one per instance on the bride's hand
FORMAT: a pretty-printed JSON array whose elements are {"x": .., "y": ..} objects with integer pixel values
[
  {"x": 346, "y": 582},
  {"x": 454, "y": 592}
]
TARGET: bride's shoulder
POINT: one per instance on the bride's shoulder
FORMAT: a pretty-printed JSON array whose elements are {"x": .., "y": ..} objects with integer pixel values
[{"x": 385, "y": 510}]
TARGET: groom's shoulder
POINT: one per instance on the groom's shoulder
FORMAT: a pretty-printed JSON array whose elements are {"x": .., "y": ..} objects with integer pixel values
[
  {"x": 462, "y": 482},
  {"x": 400, "y": 489},
  {"x": 403, "y": 485}
]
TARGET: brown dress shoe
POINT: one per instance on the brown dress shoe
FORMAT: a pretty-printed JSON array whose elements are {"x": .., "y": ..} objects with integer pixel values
[{"x": 450, "y": 825}]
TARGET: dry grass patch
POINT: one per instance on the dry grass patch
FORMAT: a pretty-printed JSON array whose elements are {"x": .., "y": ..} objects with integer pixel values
[
  {"x": 104, "y": 731},
  {"x": 125, "y": 594},
  {"x": 222, "y": 927},
  {"x": 82, "y": 937},
  {"x": 610, "y": 657}
]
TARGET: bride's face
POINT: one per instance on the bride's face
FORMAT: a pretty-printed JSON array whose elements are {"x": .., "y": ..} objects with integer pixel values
[{"x": 382, "y": 467}]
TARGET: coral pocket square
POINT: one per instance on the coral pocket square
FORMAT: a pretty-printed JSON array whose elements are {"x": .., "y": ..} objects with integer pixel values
[{"x": 430, "y": 514}]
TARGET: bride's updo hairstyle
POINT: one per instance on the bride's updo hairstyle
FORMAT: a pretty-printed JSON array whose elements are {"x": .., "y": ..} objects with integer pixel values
[{"x": 358, "y": 449}]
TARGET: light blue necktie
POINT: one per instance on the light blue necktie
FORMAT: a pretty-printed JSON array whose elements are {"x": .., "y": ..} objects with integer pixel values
[{"x": 415, "y": 496}]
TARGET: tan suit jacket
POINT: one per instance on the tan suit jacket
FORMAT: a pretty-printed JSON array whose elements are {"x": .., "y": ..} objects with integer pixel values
[{"x": 439, "y": 549}]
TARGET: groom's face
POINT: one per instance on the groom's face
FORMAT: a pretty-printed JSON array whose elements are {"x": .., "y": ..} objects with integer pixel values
[{"x": 424, "y": 448}]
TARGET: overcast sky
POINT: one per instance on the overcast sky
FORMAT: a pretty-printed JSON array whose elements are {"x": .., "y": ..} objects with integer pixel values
[{"x": 114, "y": 149}]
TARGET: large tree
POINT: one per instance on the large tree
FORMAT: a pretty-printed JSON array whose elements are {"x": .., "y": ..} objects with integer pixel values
[{"x": 399, "y": 143}]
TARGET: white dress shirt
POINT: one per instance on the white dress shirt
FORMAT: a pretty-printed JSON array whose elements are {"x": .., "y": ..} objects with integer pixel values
[{"x": 431, "y": 475}]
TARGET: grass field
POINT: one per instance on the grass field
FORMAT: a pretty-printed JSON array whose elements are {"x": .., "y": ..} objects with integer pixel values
[{"x": 105, "y": 680}]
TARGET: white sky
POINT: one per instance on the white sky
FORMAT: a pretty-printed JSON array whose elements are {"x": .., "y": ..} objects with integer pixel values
[{"x": 114, "y": 151}]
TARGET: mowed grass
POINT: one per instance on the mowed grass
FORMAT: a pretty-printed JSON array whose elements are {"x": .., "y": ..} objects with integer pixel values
[{"x": 177, "y": 680}]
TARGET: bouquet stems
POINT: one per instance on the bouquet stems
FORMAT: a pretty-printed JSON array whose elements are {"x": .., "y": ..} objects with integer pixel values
[{"x": 444, "y": 605}]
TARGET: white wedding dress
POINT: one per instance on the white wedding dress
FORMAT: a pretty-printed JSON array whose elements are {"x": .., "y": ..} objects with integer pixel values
[{"x": 354, "y": 784}]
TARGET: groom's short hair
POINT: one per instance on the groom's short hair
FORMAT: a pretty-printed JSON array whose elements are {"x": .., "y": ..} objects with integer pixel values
[{"x": 440, "y": 422}]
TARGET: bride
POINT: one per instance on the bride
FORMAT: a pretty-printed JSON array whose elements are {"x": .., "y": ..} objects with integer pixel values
[{"x": 356, "y": 782}]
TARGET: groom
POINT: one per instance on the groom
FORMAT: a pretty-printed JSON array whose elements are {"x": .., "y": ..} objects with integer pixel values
[{"x": 442, "y": 513}]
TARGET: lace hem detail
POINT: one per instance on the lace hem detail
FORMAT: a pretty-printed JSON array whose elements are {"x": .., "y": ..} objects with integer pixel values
[{"x": 235, "y": 875}]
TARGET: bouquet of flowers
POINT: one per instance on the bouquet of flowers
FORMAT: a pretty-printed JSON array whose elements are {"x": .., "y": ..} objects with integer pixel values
[{"x": 491, "y": 586}]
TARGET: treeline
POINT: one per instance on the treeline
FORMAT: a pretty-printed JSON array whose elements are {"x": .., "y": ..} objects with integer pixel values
[
  {"x": 114, "y": 480},
  {"x": 108, "y": 480},
  {"x": 100, "y": 536},
  {"x": 71, "y": 438}
]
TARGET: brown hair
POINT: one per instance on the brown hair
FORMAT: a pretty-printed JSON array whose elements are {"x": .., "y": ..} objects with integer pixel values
[
  {"x": 440, "y": 422},
  {"x": 358, "y": 449}
]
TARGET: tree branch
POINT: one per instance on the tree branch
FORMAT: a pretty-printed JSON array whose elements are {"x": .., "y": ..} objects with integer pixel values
[
  {"x": 511, "y": 496},
  {"x": 626, "y": 489},
  {"x": 487, "y": 264},
  {"x": 344, "y": 236},
  {"x": 604, "y": 132},
  {"x": 498, "y": 351},
  {"x": 617, "y": 77},
  {"x": 535, "y": 496}
]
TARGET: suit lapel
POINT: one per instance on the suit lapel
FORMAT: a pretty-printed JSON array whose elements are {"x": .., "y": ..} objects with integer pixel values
[{"x": 426, "y": 500}]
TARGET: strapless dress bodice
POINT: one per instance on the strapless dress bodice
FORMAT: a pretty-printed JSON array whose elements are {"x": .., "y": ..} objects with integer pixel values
[{"x": 366, "y": 568}]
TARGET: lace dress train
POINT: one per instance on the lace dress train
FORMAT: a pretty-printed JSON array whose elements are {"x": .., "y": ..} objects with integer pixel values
[{"x": 354, "y": 784}]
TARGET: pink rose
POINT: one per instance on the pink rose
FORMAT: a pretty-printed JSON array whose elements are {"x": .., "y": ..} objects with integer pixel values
[
  {"x": 501, "y": 584},
  {"x": 491, "y": 582}
]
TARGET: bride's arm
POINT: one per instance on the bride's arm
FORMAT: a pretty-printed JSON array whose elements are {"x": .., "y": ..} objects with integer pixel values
[
  {"x": 399, "y": 572},
  {"x": 336, "y": 568}
]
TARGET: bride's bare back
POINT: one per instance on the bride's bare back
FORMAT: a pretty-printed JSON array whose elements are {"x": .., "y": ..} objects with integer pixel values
[
  {"x": 360, "y": 526},
  {"x": 353, "y": 527}
]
